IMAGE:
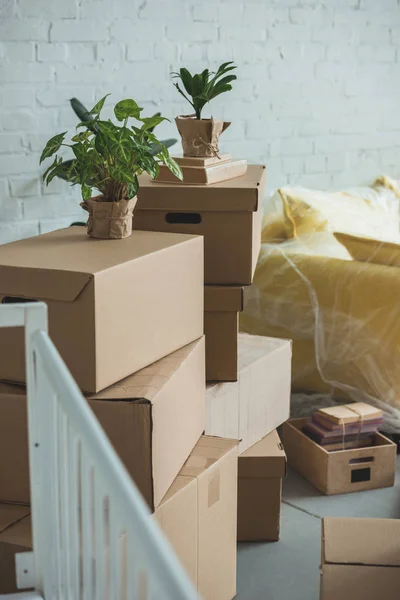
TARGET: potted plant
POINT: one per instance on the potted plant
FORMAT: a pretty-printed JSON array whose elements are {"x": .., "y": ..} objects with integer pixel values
[
  {"x": 109, "y": 158},
  {"x": 200, "y": 136}
]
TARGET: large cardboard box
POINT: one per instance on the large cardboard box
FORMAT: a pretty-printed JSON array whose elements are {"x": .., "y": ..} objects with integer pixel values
[
  {"x": 15, "y": 536},
  {"x": 197, "y": 515},
  {"x": 342, "y": 471},
  {"x": 260, "y": 471},
  {"x": 222, "y": 305},
  {"x": 360, "y": 559},
  {"x": 115, "y": 306},
  {"x": 260, "y": 400},
  {"x": 227, "y": 214},
  {"x": 153, "y": 419}
]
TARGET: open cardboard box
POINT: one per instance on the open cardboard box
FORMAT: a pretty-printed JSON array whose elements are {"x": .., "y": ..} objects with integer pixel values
[
  {"x": 260, "y": 471},
  {"x": 222, "y": 305},
  {"x": 342, "y": 471},
  {"x": 197, "y": 515},
  {"x": 227, "y": 214},
  {"x": 360, "y": 559},
  {"x": 115, "y": 306},
  {"x": 260, "y": 400},
  {"x": 153, "y": 419}
]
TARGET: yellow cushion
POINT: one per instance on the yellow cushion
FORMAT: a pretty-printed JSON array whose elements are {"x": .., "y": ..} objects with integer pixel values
[
  {"x": 342, "y": 316},
  {"x": 274, "y": 228},
  {"x": 369, "y": 250}
]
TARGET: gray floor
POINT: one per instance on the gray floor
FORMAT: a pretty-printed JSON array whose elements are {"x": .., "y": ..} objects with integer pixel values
[{"x": 289, "y": 569}]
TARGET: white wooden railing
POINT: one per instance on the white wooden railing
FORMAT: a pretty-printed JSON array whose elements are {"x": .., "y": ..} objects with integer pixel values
[{"x": 93, "y": 536}]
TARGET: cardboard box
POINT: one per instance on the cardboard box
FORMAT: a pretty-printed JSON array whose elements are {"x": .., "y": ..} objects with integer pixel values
[
  {"x": 15, "y": 536},
  {"x": 204, "y": 175},
  {"x": 115, "y": 306},
  {"x": 360, "y": 559},
  {"x": 227, "y": 214},
  {"x": 260, "y": 400},
  {"x": 342, "y": 471},
  {"x": 198, "y": 516},
  {"x": 260, "y": 471},
  {"x": 153, "y": 419},
  {"x": 222, "y": 305}
]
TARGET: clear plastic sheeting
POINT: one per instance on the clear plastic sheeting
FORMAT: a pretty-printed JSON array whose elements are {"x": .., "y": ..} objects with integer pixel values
[{"x": 343, "y": 315}]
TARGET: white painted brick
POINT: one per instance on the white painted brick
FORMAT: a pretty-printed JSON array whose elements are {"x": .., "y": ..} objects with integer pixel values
[
  {"x": 45, "y": 207},
  {"x": 8, "y": 9},
  {"x": 337, "y": 161},
  {"x": 319, "y": 181},
  {"x": 291, "y": 72},
  {"x": 370, "y": 54},
  {"x": 139, "y": 51},
  {"x": 334, "y": 35},
  {"x": 221, "y": 13},
  {"x": 291, "y": 147},
  {"x": 216, "y": 52},
  {"x": 263, "y": 13},
  {"x": 370, "y": 5},
  {"x": 22, "y": 187},
  {"x": 15, "y": 164},
  {"x": 374, "y": 34},
  {"x": 133, "y": 31},
  {"x": 66, "y": 73},
  {"x": 24, "y": 73},
  {"x": 319, "y": 17},
  {"x": 37, "y": 141},
  {"x": 47, "y": 225},
  {"x": 90, "y": 9},
  {"x": 315, "y": 164},
  {"x": 293, "y": 165},
  {"x": 19, "y": 51},
  {"x": 241, "y": 33},
  {"x": 192, "y": 32},
  {"x": 166, "y": 51},
  {"x": 152, "y": 11},
  {"x": 18, "y": 231},
  {"x": 395, "y": 35},
  {"x": 57, "y": 95},
  {"x": 10, "y": 142},
  {"x": 10, "y": 209},
  {"x": 80, "y": 54},
  {"x": 341, "y": 53},
  {"x": 3, "y": 188},
  {"x": 84, "y": 30},
  {"x": 282, "y": 32},
  {"x": 27, "y": 29},
  {"x": 18, "y": 120},
  {"x": 109, "y": 54},
  {"x": 17, "y": 96},
  {"x": 45, "y": 9},
  {"x": 52, "y": 53}
]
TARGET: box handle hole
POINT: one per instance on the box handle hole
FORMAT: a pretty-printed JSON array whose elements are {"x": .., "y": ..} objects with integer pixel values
[
  {"x": 364, "y": 459},
  {"x": 359, "y": 475},
  {"x": 188, "y": 218},
  {"x": 16, "y": 300}
]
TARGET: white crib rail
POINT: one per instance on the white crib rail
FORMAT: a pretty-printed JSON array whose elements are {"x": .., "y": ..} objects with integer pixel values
[{"x": 93, "y": 536}]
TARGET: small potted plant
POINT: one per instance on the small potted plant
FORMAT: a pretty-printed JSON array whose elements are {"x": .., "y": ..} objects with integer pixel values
[
  {"x": 109, "y": 158},
  {"x": 200, "y": 136}
]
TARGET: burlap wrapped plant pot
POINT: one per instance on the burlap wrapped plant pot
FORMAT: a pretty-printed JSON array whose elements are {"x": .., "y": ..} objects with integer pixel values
[
  {"x": 109, "y": 220},
  {"x": 200, "y": 137}
]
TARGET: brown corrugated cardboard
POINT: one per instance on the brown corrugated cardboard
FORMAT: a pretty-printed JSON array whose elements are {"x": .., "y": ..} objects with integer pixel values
[
  {"x": 115, "y": 306},
  {"x": 205, "y": 175},
  {"x": 153, "y": 418},
  {"x": 15, "y": 536},
  {"x": 260, "y": 400},
  {"x": 222, "y": 305},
  {"x": 260, "y": 471},
  {"x": 342, "y": 471},
  {"x": 198, "y": 516},
  {"x": 227, "y": 214},
  {"x": 350, "y": 413},
  {"x": 360, "y": 559}
]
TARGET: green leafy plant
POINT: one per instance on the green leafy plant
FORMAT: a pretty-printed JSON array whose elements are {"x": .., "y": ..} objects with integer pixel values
[
  {"x": 109, "y": 157},
  {"x": 83, "y": 114},
  {"x": 204, "y": 86}
]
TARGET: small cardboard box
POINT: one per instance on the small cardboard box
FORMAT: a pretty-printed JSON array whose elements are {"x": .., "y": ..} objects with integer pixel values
[
  {"x": 153, "y": 419},
  {"x": 222, "y": 305},
  {"x": 260, "y": 471},
  {"x": 198, "y": 515},
  {"x": 360, "y": 559},
  {"x": 15, "y": 536},
  {"x": 115, "y": 306},
  {"x": 342, "y": 471},
  {"x": 260, "y": 400},
  {"x": 227, "y": 214}
]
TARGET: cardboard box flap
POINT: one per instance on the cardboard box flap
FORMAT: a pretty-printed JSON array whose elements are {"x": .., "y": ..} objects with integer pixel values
[
  {"x": 42, "y": 284},
  {"x": 19, "y": 533},
  {"x": 206, "y": 452},
  {"x": 374, "y": 542},
  {"x": 266, "y": 458},
  {"x": 10, "y": 514},
  {"x": 220, "y": 298},
  {"x": 145, "y": 385},
  {"x": 238, "y": 194}
]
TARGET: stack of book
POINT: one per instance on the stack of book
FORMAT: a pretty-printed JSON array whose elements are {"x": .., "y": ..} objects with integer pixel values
[{"x": 344, "y": 427}]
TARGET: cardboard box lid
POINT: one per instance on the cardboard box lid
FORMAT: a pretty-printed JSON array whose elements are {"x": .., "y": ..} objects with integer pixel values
[
  {"x": 58, "y": 265},
  {"x": 223, "y": 298},
  {"x": 349, "y": 413},
  {"x": 374, "y": 542},
  {"x": 238, "y": 194},
  {"x": 145, "y": 385},
  {"x": 263, "y": 459}
]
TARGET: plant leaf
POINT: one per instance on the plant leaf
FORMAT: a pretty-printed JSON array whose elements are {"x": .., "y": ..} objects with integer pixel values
[
  {"x": 86, "y": 192},
  {"x": 132, "y": 189},
  {"x": 98, "y": 106},
  {"x": 172, "y": 165},
  {"x": 220, "y": 90},
  {"x": 52, "y": 146},
  {"x": 123, "y": 173},
  {"x": 127, "y": 108},
  {"x": 150, "y": 122},
  {"x": 187, "y": 80}
]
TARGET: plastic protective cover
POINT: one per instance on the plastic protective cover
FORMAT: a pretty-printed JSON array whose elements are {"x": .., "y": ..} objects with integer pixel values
[{"x": 342, "y": 315}]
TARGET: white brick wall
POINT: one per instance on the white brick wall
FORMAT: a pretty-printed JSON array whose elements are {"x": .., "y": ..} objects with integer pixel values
[{"x": 318, "y": 96}]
